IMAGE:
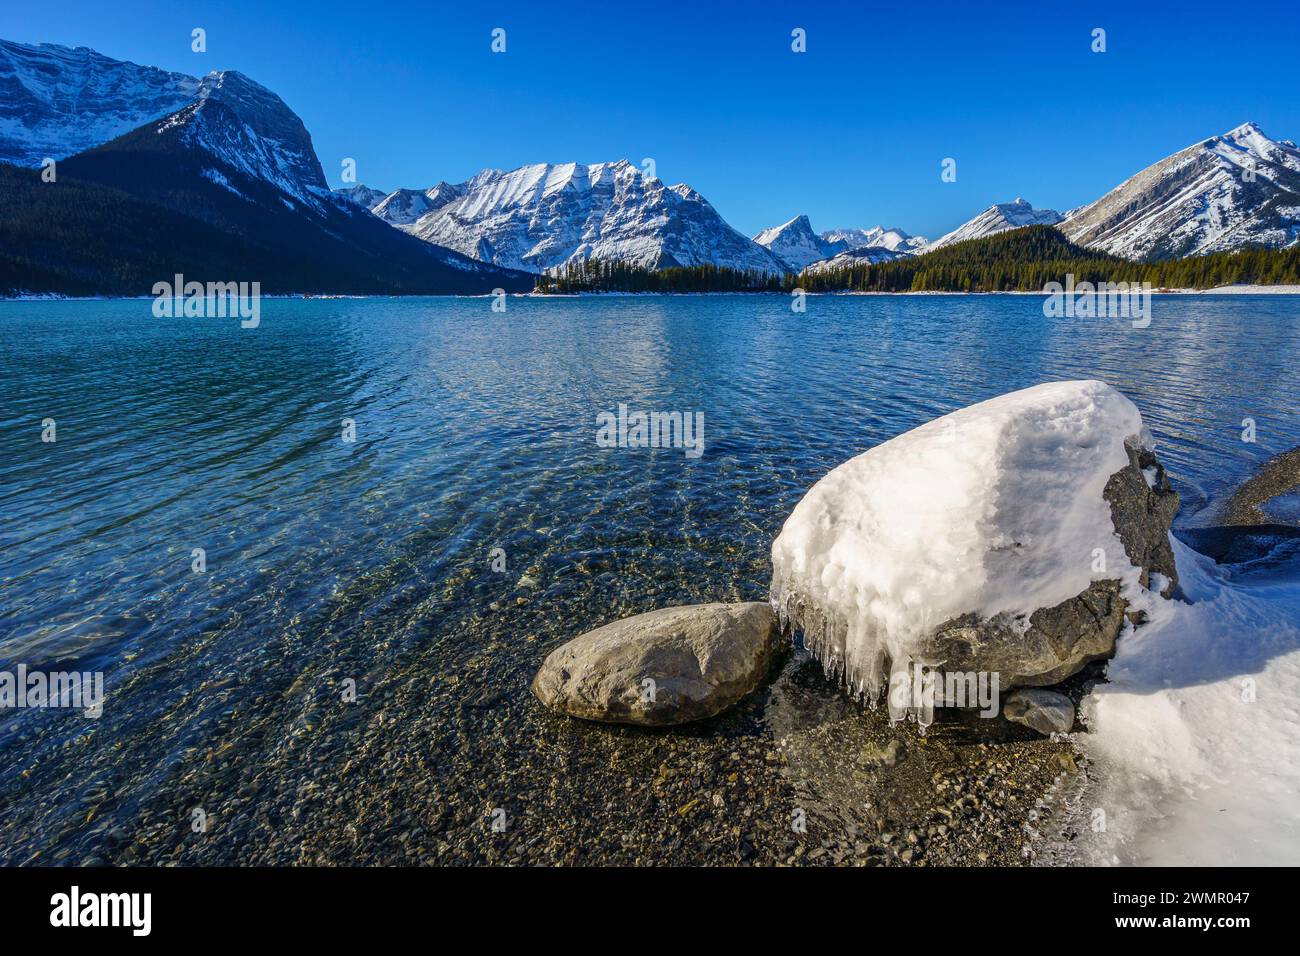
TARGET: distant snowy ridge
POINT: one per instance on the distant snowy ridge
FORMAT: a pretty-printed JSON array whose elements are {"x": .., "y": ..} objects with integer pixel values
[
  {"x": 362, "y": 196},
  {"x": 1228, "y": 191},
  {"x": 866, "y": 256},
  {"x": 801, "y": 249},
  {"x": 542, "y": 216},
  {"x": 795, "y": 243},
  {"x": 877, "y": 237},
  {"x": 403, "y": 206},
  {"x": 1000, "y": 217}
]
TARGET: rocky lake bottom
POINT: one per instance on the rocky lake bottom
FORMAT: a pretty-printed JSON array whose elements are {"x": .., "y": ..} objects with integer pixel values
[{"x": 367, "y": 567}]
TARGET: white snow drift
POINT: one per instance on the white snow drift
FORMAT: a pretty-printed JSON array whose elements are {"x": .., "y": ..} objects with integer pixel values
[{"x": 1197, "y": 733}]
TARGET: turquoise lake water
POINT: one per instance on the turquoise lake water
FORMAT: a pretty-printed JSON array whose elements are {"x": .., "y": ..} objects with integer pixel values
[{"x": 477, "y": 430}]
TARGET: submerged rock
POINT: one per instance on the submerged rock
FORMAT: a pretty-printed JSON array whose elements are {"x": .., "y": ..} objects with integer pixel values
[
  {"x": 1260, "y": 525},
  {"x": 668, "y": 666},
  {"x": 1006, "y": 538},
  {"x": 1045, "y": 711},
  {"x": 885, "y": 756},
  {"x": 1278, "y": 476}
]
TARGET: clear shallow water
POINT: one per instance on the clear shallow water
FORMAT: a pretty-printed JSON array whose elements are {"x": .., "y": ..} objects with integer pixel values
[{"x": 477, "y": 430}]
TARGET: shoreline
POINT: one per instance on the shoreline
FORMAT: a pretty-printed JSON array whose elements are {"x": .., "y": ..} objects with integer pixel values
[{"x": 1217, "y": 290}]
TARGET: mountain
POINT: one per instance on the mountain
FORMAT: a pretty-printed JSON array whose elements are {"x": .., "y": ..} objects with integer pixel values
[
  {"x": 1228, "y": 191},
  {"x": 542, "y": 216},
  {"x": 999, "y": 218},
  {"x": 360, "y": 195},
  {"x": 404, "y": 206},
  {"x": 1022, "y": 259},
  {"x": 250, "y": 128},
  {"x": 877, "y": 237},
  {"x": 864, "y": 256},
  {"x": 839, "y": 248},
  {"x": 233, "y": 170},
  {"x": 795, "y": 243},
  {"x": 154, "y": 202},
  {"x": 56, "y": 101}
]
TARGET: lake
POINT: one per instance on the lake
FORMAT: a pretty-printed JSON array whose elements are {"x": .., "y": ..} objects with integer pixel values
[{"x": 473, "y": 524}]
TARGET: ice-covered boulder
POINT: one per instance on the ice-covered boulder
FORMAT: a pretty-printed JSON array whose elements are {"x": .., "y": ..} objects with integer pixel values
[
  {"x": 668, "y": 666},
  {"x": 1014, "y": 537}
]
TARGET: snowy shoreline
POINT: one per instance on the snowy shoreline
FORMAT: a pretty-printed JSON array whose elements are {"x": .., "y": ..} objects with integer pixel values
[{"x": 1196, "y": 732}]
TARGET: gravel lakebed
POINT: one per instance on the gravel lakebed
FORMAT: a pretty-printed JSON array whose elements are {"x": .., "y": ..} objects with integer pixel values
[{"x": 455, "y": 763}]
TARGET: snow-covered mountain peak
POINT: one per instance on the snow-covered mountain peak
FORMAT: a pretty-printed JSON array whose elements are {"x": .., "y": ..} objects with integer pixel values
[
  {"x": 543, "y": 215},
  {"x": 56, "y": 101},
  {"x": 402, "y": 207},
  {"x": 999, "y": 218},
  {"x": 1239, "y": 188},
  {"x": 1247, "y": 145},
  {"x": 1247, "y": 133},
  {"x": 798, "y": 223},
  {"x": 685, "y": 191},
  {"x": 877, "y": 237},
  {"x": 268, "y": 140},
  {"x": 795, "y": 243},
  {"x": 361, "y": 195}
]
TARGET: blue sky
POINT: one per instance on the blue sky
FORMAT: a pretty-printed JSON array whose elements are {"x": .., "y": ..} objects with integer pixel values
[{"x": 852, "y": 132}]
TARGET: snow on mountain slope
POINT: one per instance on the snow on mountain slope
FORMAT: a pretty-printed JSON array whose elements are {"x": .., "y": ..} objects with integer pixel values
[
  {"x": 868, "y": 255},
  {"x": 999, "y": 218},
  {"x": 258, "y": 134},
  {"x": 402, "y": 207},
  {"x": 860, "y": 247},
  {"x": 542, "y": 216},
  {"x": 56, "y": 101},
  {"x": 895, "y": 240},
  {"x": 361, "y": 195},
  {"x": 795, "y": 243},
  {"x": 1241, "y": 188}
]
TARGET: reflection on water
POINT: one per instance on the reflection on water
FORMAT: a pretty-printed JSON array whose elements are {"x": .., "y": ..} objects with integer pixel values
[{"x": 476, "y": 430}]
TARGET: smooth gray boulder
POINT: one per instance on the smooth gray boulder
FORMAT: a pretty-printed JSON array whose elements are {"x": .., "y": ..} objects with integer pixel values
[
  {"x": 669, "y": 666},
  {"x": 1058, "y": 641},
  {"x": 1045, "y": 711}
]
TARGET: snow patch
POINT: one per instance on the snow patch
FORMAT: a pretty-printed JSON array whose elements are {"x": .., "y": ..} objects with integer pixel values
[
  {"x": 1001, "y": 217},
  {"x": 219, "y": 178},
  {"x": 1197, "y": 734},
  {"x": 539, "y": 217}
]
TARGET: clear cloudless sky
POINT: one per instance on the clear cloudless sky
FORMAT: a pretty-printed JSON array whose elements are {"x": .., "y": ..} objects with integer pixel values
[{"x": 852, "y": 132}]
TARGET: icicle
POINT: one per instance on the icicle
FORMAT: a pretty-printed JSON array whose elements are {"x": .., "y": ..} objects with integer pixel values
[
  {"x": 925, "y": 706},
  {"x": 900, "y": 688}
]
